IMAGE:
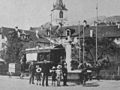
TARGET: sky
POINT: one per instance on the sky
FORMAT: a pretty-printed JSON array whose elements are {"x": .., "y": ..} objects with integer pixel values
[{"x": 34, "y": 13}]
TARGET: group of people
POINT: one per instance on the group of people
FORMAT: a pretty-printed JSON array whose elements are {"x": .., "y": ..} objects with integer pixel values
[
  {"x": 58, "y": 73},
  {"x": 41, "y": 74}
]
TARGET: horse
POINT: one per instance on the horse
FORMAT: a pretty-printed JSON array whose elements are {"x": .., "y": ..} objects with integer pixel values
[
  {"x": 100, "y": 64},
  {"x": 86, "y": 72},
  {"x": 89, "y": 70}
]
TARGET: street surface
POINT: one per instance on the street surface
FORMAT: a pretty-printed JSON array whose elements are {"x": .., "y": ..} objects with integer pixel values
[{"x": 15, "y": 83}]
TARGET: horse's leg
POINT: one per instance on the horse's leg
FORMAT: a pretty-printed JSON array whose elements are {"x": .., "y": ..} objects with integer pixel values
[
  {"x": 81, "y": 78},
  {"x": 98, "y": 74}
]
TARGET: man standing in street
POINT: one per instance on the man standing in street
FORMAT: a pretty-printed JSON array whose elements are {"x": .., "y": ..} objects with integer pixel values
[
  {"x": 64, "y": 72},
  {"x": 32, "y": 73},
  {"x": 22, "y": 70},
  {"x": 45, "y": 70}
]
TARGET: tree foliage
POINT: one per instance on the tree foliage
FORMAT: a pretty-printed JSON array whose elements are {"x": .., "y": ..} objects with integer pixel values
[
  {"x": 14, "y": 47},
  {"x": 106, "y": 46}
]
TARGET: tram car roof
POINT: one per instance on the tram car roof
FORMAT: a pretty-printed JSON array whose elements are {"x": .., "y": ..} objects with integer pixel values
[
  {"x": 41, "y": 62},
  {"x": 41, "y": 50}
]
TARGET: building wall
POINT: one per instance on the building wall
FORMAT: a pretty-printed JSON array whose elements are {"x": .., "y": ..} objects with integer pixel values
[
  {"x": 0, "y": 41},
  {"x": 3, "y": 41}
]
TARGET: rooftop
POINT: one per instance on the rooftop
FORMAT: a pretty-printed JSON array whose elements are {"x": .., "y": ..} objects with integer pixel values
[{"x": 32, "y": 34}]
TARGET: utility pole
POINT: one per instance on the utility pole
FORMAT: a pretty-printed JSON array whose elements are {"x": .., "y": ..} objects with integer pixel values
[
  {"x": 79, "y": 40},
  {"x": 84, "y": 40},
  {"x": 50, "y": 26},
  {"x": 96, "y": 32}
]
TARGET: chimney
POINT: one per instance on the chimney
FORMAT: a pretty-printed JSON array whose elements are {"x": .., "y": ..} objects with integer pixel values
[
  {"x": 18, "y": 33},
  {"x": 16, "y": 28},
  {"x": 84, "y": 23},
  {"x": 118, "y": 25}
]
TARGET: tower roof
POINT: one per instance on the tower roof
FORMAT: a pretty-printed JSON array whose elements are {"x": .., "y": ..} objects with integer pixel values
[{"x": 59, "y": 5}]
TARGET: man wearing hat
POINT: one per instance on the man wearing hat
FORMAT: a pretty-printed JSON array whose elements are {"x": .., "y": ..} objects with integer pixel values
[
  {"x": 64, "y": 72},
  {"x": 45, "y": 70},
  {"x": 31, "y": 72}
]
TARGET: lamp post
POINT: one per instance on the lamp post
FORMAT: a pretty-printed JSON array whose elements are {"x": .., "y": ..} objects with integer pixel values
[{"x": 84, "y": 25}]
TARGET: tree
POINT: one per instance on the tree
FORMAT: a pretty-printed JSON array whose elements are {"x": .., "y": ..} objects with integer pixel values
[
  {"x": 106, "y": 46},
  {"x": 14, "y": 47}
]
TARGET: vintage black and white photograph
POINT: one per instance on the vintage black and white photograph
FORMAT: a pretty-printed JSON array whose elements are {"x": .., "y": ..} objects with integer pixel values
[{"x": 59, "y": 44}]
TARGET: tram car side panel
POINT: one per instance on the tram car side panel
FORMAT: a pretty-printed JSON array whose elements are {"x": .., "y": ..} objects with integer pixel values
[
  {"x": 55, "y": 56},
  {"x": 52, "y": 55}
]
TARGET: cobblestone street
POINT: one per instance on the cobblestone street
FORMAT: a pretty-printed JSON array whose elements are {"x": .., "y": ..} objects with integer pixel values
[{"x": 15, "y": 83}]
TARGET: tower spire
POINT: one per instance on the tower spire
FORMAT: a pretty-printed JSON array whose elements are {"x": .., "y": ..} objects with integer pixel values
[{"x": 59, "y": 5}]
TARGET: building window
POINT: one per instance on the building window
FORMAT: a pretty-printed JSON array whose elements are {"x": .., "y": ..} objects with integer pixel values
[
  {"x": 2, "y": 36},
  {"x": 68, "y": 32},
  {"x": 91, "y": 33},
  {"x": 61, "y": 14},
  {"x": 0, "y": 31},
  {"x": 3, "y": 45}
]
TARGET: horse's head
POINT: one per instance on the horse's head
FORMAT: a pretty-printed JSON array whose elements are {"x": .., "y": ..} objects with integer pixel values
[
  {"x": 80, "y": 66},
  {"x": 104, "y": 62}
]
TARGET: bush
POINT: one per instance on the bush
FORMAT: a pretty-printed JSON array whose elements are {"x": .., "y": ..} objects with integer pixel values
[
  {"x": 74, "y": 64},
  {"x": 117, "y": 77}
]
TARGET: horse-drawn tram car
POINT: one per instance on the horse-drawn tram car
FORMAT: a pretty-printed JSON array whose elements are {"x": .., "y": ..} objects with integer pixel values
[{"x": 38, "y": 55}]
